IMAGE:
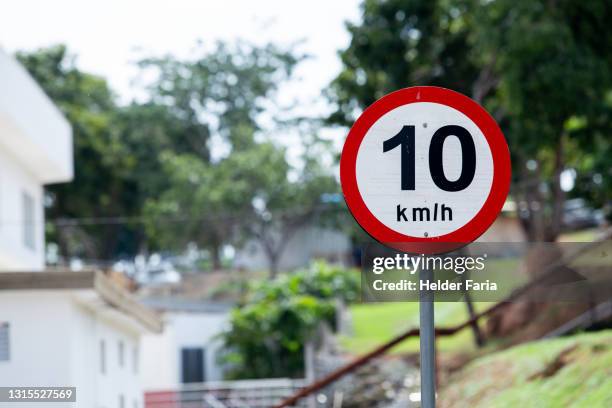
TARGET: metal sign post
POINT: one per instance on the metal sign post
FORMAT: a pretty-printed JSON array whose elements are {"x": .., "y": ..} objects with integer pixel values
[{"x": 427, "y": 342}]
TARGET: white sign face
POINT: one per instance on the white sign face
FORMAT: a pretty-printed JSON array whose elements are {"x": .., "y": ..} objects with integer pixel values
[
  {"x": 424, "y": 169},
  {"x": 425, "y": 165}
]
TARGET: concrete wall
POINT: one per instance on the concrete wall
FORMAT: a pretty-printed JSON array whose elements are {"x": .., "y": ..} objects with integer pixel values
[
  {"x": 39, "y": 344},
  {"x": 55, "y": 341},
  {"x": 35, "y": 149},
  {"x": 15, "y": 180},
  {"x": 161, "y": 354},
  {"x": 160, "y": 360},
  {"x": 307, "y": 244},
  {"x": 120, "y": 380},
  {"x": 31, "y": 126}
]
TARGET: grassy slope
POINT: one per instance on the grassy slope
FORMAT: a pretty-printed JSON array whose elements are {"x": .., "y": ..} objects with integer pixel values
[
  {"x": 504, "y": 379},
  {"x": 374, "y": 324}
]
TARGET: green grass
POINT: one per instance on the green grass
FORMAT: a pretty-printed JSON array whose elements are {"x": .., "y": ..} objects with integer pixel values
[
  {"x": 600, "y": 255},
  {"x": 510, "y": 378},
  {"x": 376, "y": 323},
  {"x": 585, "y": 235}
]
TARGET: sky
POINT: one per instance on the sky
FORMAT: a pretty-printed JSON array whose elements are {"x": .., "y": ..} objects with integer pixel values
[{"x": 108, "y": 35}]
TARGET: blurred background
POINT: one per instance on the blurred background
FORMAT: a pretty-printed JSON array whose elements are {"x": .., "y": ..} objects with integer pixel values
[{"x": 172, "y": 228}]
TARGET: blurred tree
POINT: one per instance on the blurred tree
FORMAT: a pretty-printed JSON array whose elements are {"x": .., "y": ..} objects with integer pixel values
[
  {"x": 266, "y": 335},
  {"x": 221, "y": 92},
  {"x": 117, "y": 159},
  {"x": 542, "y": 68},
  {"x": 400, "y": 43},
  {"x": 246, "y": 190},
  {"x": 156, "y": 157},
  {"x": 246, "y": 195},
  {"x": 553, "y": 96},
  {"x": 289, "y": 205},
  {"x": 208, "y": 203}
]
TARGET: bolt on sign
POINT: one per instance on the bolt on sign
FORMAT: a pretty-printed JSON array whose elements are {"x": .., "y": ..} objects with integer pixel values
[{"x": 425, "y": 165}]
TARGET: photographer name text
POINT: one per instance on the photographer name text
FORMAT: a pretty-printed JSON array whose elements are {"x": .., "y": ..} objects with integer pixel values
[{"x": 439, "y": 285}]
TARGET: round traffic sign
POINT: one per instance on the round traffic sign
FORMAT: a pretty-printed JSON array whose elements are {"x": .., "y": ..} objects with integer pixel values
[{"x": 425, "y": 165}]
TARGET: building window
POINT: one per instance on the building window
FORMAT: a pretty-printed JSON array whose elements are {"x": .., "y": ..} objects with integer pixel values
[
  {"x": 135, "y": 359},
  {"x": 121, "y": 353},
  {"x": 29, "y": 221},
  {"x": 102, "y": 357},
  {"x": 192, "y": 365},
  {"x": 5, "y": 350}
]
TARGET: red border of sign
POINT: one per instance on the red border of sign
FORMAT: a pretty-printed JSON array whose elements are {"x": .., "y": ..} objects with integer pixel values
[{"x": 501, "y": 170}]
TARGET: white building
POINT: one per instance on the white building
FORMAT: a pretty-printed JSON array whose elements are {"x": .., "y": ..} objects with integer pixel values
[
  {"x": 56, "y": 328},
  {"x": 35, "y": 149},
  {"x": 73, "y": 329},
  {"x": 188, "y": 350}
]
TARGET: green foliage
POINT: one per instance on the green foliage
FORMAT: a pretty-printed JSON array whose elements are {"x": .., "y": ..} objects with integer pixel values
[
  {"x": 554, "y": 78},
  {"x": 219, "y": 91},
  {"x": 400, "y": 43},
  {"x": 248, "y": 191},
  {"x": 376, "y": 323},
  {"x": 513, "y": 377},
  {"x": 117, "y": 152},
  {"x": 209, "y": 201},
  {"x": 542, "y": 69},
  {"x": 152, "y": 160},
  {"x": 267, "y": 334},
  {"x": 101, "y": 187}
]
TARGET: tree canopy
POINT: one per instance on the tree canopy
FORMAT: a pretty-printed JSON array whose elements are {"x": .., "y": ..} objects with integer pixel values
[
  {"x": 195, "y": 159},
  {"x": 193, "y": 163},
  {"x": 541, "y": 68},
  {"x": 102, "y": 185}
]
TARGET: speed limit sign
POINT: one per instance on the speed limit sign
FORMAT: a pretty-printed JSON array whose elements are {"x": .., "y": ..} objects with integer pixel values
[{"x": 425, "y": 164}]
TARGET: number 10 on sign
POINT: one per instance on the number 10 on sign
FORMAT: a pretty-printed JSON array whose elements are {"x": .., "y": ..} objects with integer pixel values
[{"x": 425, "y": 164}]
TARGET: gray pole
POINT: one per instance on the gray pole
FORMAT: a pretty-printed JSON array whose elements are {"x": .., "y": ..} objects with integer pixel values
[
  {"x": 427, "y": 340},
  {"x": 309, "y": 365}
]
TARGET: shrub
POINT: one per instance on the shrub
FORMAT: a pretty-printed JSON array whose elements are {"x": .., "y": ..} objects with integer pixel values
[{"x": 267, "y": 334}]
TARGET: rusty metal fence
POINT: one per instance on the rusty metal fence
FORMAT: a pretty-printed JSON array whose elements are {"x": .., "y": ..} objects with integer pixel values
[{"x": 226, "y": 394}]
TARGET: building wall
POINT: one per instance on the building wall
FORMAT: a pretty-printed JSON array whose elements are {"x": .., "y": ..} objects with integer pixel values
[
  {"x": 161, "y": 354},
  {"x": 55, "y": 341},
  {"x": 307, "y": 244},
  {"x": 84, "y": 362},
  {"x": 35, "y": 149},
  {"x": 119, "y": 379},
  {"x": 39, "y": 350},
  {"x": 15, "y": 181},
  {"x": 31, "y": 127},
  {"x": 159, "y": 360}
]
